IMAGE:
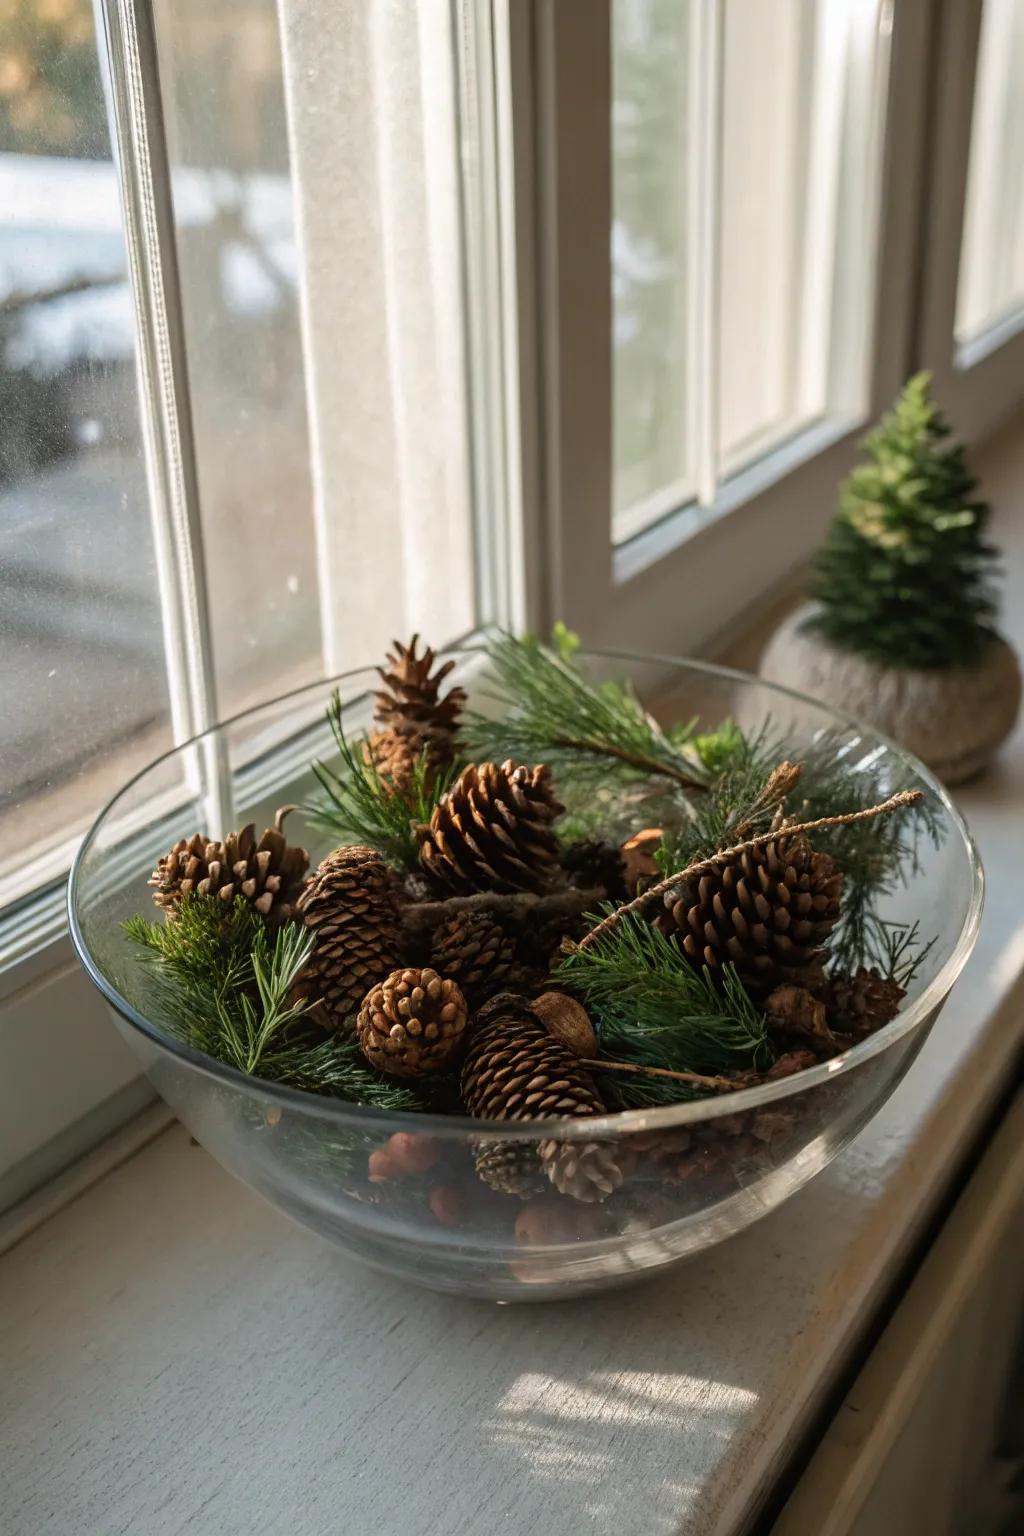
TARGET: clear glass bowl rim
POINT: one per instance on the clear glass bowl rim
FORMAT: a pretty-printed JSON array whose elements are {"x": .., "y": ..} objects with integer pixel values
[{"x": 343, "y": 1112}]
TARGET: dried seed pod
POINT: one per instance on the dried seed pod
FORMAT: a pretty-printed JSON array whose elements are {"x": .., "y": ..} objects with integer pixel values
[
  {"x": 795, "y": 1011},
  {"x": 412, "y": 1023},
  {"x": 566, "y": 1021},
  {"x": 638, "y": 859}
]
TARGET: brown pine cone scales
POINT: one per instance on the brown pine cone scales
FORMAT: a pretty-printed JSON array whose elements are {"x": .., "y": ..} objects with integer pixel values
[
  {"x": 351, "y": 906},
  {"x": 474, "y": 949},
  {"x": 514, "y": 1070},
  {"x": 770, "y": 911},
  {"x": 412, "y": 1023},
  {"x": 491, "y": 831},
  {"x": 412, "y": 715},
  {"x": 268, "y": 873},
  {"x": 860, "y": 1004}
]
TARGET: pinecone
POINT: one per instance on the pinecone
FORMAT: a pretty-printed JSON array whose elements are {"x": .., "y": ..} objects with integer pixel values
[
  {"x": 769, "y": 910},
  {"x": 412, "y": 715},
  {"x": 514, "y": 1070},
  {"x": 860, "y": 1004},
  {"x": 490, "y": 831},
  {"x": 476, "y": 951},
  {"x": 412, "y": 1023},
  {"x": 350, "y": 903},
  {"x": 509, "y": 1167},
  {"x": 592, "y": 863},
  {"x": 268, "y": 873}
]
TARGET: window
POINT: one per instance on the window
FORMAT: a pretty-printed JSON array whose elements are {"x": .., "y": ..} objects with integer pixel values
[
  {"x": 990, "y": 293},
  {"x": 418, "y": 316},
  {"x": 83, "y": 688},
  {"x": 747, "y": 153}
]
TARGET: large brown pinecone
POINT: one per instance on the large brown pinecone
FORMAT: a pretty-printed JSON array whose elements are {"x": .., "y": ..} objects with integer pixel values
[
  {"x": 514, "y": 1070},
  {"x": 267, "y": 873},
  {"x": 477, "y": 951},
  {"x": 769, "y": 911},
  {"x": 860, "y": 1004},
  {"x": 412, "y": 1023},
  {"x": 412, "y": 716},
  {"x": 491, "y": 831},
  {"x": 350, "y": 904}
]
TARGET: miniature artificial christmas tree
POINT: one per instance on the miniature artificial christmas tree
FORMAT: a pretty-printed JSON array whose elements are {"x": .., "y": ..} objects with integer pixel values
[
  {"x": 905, "y": 576},
  {"x": 902, "y": 631}
]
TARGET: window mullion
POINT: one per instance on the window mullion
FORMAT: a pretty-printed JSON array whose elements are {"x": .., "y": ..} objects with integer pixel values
[
  {"x": 707, "y": 79},
  {"x": 137, "y": 122}
]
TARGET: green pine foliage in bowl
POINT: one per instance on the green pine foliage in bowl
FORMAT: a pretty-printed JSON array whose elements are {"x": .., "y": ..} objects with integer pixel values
[{"x": 906, "y": 575}]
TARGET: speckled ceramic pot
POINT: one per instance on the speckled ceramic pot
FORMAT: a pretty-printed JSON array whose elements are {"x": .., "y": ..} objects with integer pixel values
[{"x": 954, "y": 719}]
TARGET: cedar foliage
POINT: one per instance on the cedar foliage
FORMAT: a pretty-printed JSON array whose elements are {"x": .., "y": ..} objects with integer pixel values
[{"x": 905, "y": 576}]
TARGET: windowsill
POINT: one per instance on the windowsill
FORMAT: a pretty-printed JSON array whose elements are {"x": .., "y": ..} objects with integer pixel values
[{"x": 182, "y": 1358}]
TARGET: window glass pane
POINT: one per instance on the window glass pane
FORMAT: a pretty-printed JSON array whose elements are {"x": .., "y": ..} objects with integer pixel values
[
  {"x": 746, "y": 158},
  {"x": 650, "y": 259},
  {"x": 83, "y": 697},
  {"x": 991, "y": 285},
  {"x": 221, "y": 79}
]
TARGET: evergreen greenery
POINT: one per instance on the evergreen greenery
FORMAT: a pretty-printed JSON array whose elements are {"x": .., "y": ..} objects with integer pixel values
[
  {"x": 360, "y": 805},
  {"x": 876, "y": 857},
  {"x": 550, "y": 712},
  {"x": 650, "y": 1006},
  {"x": 218, "y": 981},
  {"x": 905, "y": 576}
]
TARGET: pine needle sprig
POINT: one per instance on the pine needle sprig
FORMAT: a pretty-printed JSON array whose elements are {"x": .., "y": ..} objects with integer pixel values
[
  {"x": 361, "y": 805},
  {"x": 550, "y": 712},
  {"x": 651, "y": 1007},
  {"x": 217, "y": 981}
]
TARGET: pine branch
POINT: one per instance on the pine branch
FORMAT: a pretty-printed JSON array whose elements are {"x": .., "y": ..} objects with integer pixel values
[
  {"x": 216, "y": 981},
  {"x": 551, "y": 713},
  {"x": 652, "y": 1008},
  {"x": 361, "y": 806}
]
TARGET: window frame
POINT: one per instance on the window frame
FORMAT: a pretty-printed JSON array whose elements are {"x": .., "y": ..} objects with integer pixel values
[
  {"x": 662, "y": 588},
  {"x": 981, "y": 382}
]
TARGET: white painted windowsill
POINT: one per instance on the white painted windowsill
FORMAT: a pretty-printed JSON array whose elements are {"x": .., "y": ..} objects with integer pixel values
[{"x": 178, "y": 1358}]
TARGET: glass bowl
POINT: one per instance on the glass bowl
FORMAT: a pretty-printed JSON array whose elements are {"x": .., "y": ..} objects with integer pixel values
[{"x": 694, "y": 1173}]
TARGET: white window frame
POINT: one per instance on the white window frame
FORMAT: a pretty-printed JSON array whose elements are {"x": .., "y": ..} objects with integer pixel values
[
  {"x": 540, "y": 279},
  {"x": 980, "y": 383},
  {"x": 664, "y": 589}
]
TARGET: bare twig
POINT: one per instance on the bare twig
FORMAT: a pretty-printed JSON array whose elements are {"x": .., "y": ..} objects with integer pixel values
[
  {"x": 421, "y": 915},
  {"x": 724, "y": 855},
  {"x": 653, "y": 765},
  {"x": 714, "y": 1084}
]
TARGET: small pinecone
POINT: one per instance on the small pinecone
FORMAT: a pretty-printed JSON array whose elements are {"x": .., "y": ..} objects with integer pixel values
[
  {"x": 350, "y": 903},
  {"x": 476, "y": 951},
  {"x": 769, "y": 910},
  {"x": 491, "y": 831},
  {"x": 860, "y": 1004},
  {"x": 586, "y": 1170},
  {"x": 592, "y": 863},
  {"x": 267, "y": 873},
  {"x": 412, "y": 1023},
  {"x": 412, "y": 715},
  {"x": 509, "y": 1167},
  {"x": 514, "y": 1070}
]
